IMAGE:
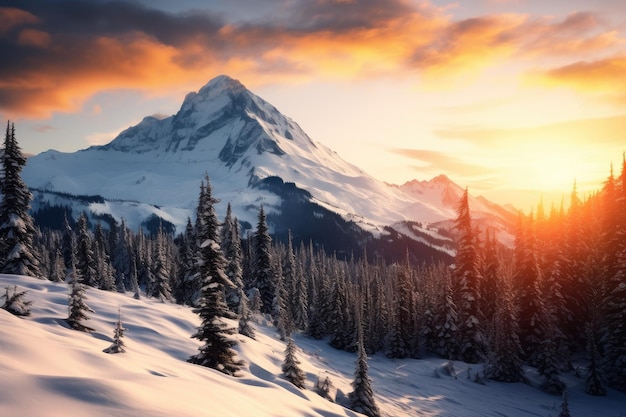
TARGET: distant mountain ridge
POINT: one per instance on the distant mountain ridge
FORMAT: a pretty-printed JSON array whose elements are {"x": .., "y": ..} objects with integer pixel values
[{"x": 240, "y": 141}]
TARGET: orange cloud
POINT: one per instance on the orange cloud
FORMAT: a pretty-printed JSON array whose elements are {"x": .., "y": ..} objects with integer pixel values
[
  {"x": 600, "y": 77},
  {"x": 33, "y": 37},
  {"x": 151, "y": 49},
  {"x": 12, "y": 17},
  {"x": 441, "y": 161}
]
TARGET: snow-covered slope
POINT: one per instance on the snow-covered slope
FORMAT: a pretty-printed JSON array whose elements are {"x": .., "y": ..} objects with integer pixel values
[
  {"x": 48, "y": 370},
  {"x": 237, "y": 138}
]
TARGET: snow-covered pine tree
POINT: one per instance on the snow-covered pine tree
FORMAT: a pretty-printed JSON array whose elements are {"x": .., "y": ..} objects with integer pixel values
[
  {"x": 290, "y": 367},
  {"x": 280, "y": 304},
  {"x": 85, "y": 261},
  {"x": 104, "y": 270},
  {"x": 188, "y": 290},
  {"x": 472, "y": 341},
  {"x": 593, "y": 383},
  {"x": 402, "y": 326},
  {"x": 77, "y": 307},
  {"x": 547, "y": 358},
  {"x": 160, "y": 287},
  {"x": 217, "y": 351},
  {"x": 445, "y": 341},
  {"x": 68, "y": 246},
  {"x": 17, "y": 255},
  {"x": 505, "y": 362},
  {"x": 338, "y": 315},
  {"x": 262, "y": 274},
  {"x": 325, "y": 388},
  {"x": 530, "y": 301},
  {"x": 231, "y": 245},
  {"x": 15, "y": 303},
  {"x": 118, "y": 333},
  {"x": 300, "y": 300},
  {"x": 362, "y": 397},
  {"x": 565, "y": 406},
  {"x": 245, "y": 318},
  {"x": 121, "y": 255},
  {"x": 133, "y": 280},
  {"x": 489, "y": 270}
]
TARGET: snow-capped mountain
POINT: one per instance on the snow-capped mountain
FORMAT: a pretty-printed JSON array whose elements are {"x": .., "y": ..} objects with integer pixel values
[{"x": 240, "y": 141}]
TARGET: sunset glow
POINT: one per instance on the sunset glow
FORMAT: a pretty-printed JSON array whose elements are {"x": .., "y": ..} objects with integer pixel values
[{"x": 514, "y": 99}]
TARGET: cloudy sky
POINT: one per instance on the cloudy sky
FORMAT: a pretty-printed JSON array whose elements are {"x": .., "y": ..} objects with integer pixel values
[{"x": 512, "y": 98}]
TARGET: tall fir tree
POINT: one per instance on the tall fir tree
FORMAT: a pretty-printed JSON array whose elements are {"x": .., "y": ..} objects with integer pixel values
[
  {"x": 614, "y": 304},
  {"x": 290, "y": 368},
  {"x": 160, "y": 288},
  {"x": 86, "y": 265},
  {"x": 217, "y": 351},
  {"x": 188, "y": 290},
  {"x": 263, "y": 276},
  {"x": 118, "y": 344},
  {"x": 530, "y": 301},
  {"x": 77, "y": 307},
  {"x": 472, "y": 341},
  {"x": 362, "y": 396},
  {"x": 231, "y": 244},
  {"x": 17, "y": 255},
  {"x": 505, "y": 362},
  {"x": 68, "y": 245}
]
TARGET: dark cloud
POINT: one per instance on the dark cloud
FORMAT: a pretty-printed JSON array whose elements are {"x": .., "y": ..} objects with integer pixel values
[
  {"x": 110, "y": 18},
  {"x": 345, "y": 15}
]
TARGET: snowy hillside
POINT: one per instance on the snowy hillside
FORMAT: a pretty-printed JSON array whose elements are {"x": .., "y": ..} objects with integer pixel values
[
  {"x": 48, "y": 370},
  {"x": 238, "y": 139}
]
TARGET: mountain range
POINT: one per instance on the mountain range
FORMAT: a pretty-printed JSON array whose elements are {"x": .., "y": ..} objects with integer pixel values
[{"x": 254, "y": 156}]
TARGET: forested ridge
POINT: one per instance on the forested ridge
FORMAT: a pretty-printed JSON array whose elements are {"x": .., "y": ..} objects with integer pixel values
[{"x": 555, "y": 301}]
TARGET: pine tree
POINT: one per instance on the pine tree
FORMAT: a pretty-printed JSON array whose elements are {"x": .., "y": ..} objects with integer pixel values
[
  {"x": 188, "y": 291},
  {"x": 15, "y": 303},
  {"x": 565, "y": 406},
  {"x": 78, "y": 309},
  {"x": 593, "y": 383},
  {"x": 505, "y": 362},
  {"x": 489, "y": 283},
  {"x": 85, "y": 261},
  {"x": 17, "y": 255},
  {"x": 231, "y": 244},
  {"x": 118, "y": 333},
  {"x": 104, "y": 269},
  {"x": 280, "y": 308},
  {"x": 160, "y": 288},
  {"x": 217, "y": 351},
  {"x": 121, "y": 254},
  {"x": 290, "y": 367},
  {"x": 300, "y": 299},
  {"x": 527, "y": 280},
  {"x": 362, "y": 397},
  {"x": 547, "y": 359},
  {"x": 445, "y": 341},
  {"x": 613, "y": 339},
  {"x": 68, "y": 245},
  {"x": 263, "y": 276},
  {"x": 245, "y": 318},
  {"x": 473, "y": 345}
]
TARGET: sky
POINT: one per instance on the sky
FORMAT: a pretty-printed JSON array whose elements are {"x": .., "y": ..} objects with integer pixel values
[{"x": 518, "y": 100}]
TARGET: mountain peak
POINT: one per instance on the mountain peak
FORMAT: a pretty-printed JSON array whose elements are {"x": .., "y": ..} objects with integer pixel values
[
  {"x": 441, "y": 179},
  {"x": 221, "y": 84}
]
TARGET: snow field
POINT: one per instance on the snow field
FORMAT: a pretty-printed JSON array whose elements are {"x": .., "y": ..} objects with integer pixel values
[{"x": 49, "y": 370}]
